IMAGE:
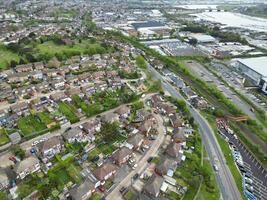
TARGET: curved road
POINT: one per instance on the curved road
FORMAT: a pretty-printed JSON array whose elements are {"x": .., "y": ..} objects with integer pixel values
[{"x": 224, "y": 177}]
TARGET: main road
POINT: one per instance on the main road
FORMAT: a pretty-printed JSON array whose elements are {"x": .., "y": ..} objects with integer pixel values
[{"x": 224, "y": 177}]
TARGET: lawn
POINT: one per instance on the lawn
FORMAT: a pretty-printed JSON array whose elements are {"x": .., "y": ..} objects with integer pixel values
[
  {"x": 6, "y": 56},
  {"x": 31, "y": 125},
  {"x": 50, "y": 49},
  {"x": 3, "y": 137},
  {"x": 95, "y": 197},
  {"x": 69, "y": 111}
]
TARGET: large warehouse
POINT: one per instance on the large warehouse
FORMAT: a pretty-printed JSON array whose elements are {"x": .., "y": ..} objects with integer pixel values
[{"x": 255, "y": 69}]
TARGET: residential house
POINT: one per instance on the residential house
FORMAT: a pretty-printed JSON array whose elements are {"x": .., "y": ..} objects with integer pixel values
[
  {"x": 149, "y": 122},
  {"x": 166, "y": 109},
  {"x": 111, "y": 74},
  {"x": 122, "y": 155},
  {"x": 101, "y": 85},
  {"x": 87, "y": 173},
  {"x": 42, "y": 87},
  {"x": 154, "y": 185},
  {"x": 105, "y": 171},
  {"x": 15, "y": 137},
  {"x": 92, "y": 126},
  {"x": 176, "y": 121},
  {"x": 199, "y": 103},
  {"x": 24, "y": 68},
  {"x": 51, "y": 73},
  {"x": 83, "y": 191},
  {"x": 5, "y": 91},
  {"x": 18, "y": 77},
  {"x": 109, "y": 117},
  {"x": 190, "y": 94},
  {"x": 166, "y": 167},
  {"x": 179, "y": 135},
  {"x": 85, "y": 77},
  {"x": 20, "y": 108},
  {"x": 123, "y": 111},
  {"x": 136, "y": 140},
  {"x": 39, "y": 103},
  {"x": 155, "y": 100},
  {"x": 38, "y": 65},
  {"x": 49, "y": 148},
  {"x": 173, "y": 149},
  {"x": 98, "y": 75},
  {"x": 73, "y": 91},
  {"x": 58, "y": 84},
  {"x": 4, "y": 115},
  {"x": 59, "y": 96},
  {"x": 74, "y": 135},
  {"x": 27, "y": 166},
  {"x": 4, "y": 180},
  {"x": 36, "y": 75}
]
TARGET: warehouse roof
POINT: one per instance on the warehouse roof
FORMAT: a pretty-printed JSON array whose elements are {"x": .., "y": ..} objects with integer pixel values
[{"x": 258, "y": 64}]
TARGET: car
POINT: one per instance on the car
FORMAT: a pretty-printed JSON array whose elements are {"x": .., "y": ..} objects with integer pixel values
[
  {"x": 122, "y": 189},
  {"x": 134, "y": 166},
  {"x": 135, "y": 176},
  {"x": 150, "y": 159},
  {"x": 102, "y": 188},
  {"x": 248, "y": 180},
  {"x": 249, "y": 187},
  {"x": 216, "y": 168}
]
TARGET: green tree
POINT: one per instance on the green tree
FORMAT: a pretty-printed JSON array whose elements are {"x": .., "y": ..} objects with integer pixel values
[
  {"x": 3, "y": 195},
  {"x": 140, "y": 61},
  {"x": 17, "y": 151},
  {"x": 24, "y": 190}
]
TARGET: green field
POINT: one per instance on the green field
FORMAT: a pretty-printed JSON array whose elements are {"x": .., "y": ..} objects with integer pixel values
[
  {"x": 6, "y": 56},
  {"x": 69, "y": 111},
  {"x": 31, "y": 124},
  {"x": 49, "y": 49},
  {"x": 3, "y": 137}
]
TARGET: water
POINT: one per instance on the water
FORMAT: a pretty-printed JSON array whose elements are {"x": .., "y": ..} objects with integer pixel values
[{"x": 230, "y": 19}]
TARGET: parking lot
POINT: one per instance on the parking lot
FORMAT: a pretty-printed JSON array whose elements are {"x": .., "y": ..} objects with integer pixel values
[{"x": 250, "y": 166}]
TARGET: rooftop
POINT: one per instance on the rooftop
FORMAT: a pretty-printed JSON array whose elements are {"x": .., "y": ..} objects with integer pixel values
[{"x": 257, "y": 64}]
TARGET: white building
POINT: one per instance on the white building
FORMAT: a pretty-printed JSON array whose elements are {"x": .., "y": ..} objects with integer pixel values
[{"x": 255, "y": 69}]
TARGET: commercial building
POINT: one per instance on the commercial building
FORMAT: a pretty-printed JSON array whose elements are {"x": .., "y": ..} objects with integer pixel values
[{"x": 255, "y": 69}]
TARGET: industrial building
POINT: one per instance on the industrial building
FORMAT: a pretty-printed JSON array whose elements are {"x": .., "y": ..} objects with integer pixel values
[{"x": 255, "y": 69}]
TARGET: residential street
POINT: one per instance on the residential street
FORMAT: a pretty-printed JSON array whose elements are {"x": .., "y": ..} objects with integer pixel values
[
  {"x": 142, "y": 164},
  {"x": 224, "y": 177}
]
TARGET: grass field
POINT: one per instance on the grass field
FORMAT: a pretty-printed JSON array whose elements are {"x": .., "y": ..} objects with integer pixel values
[
  {"x": 31, "y": 124},
  {"x": 69, "y": 111},
  {"x": 6, "y": 56},
  {"x": 3, "y": 137}
]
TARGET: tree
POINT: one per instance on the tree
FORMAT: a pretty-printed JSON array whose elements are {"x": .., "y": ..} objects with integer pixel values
[
  {"x": 17, "y": 151},
  {"x": 53, "y": 63},
  {"x": 24, "y": 190},
  {"x": 193, "y": 41},
  {"x": 3, "y": 195},
  {"x": 108, "y": 131},
  {"x": 140, "y": 61}
]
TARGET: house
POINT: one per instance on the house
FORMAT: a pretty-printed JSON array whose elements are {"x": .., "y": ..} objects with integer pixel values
[
  {"x": 179, "y": 135},
  {"x": 87, "y": 173},
  {"x": 37, "y": 75},
  {"x": 58, "y": 84},
  {"x": 88, "y": 90},
  {"x": 110, "y": 117},
  {"x": 190, "y": 94},
  {"x": 42, "y": 87},
  {"x": 15, "y": 138},
  {"x": 136, "y": 140},
  {"x": 175, "y": 121},
  {"x": 199, "y": 103},
  {"x": 166, "y": 167},
  {"x": 111, "y": 74},
  {"x": 83, "y": 191},
  {"x": 173, "y": 149},
  {"x": 39, "y": 103},
  {"x": 4, "y": 180},
  {"x": 18, "y": 77},
  {"x": 101, "y": 85},
  {"x": 47, "y": 149},
  {"x": 74, "y": 135},
  {"x": 73, "y": 91},
  {"x": 59, "y": 96},
  {"x": 24, "y": 68},
  {"x": 122, "y": 155},
  {"x": 150, "y": 122},
  {"x": 92, "y": 126},
  {"x": 105, "y": 171},
  {"x": 20, "y": 108},
  {"x": 4, "y": 115},
  {"x": 27, "y": 166},
  {"x": 123, "y": 111},
  {"x": 154, "y": 185},
  {"x": 98, "y": 75},
  {"x": 38, "y": 65},
  {"x": 166, "y": 109},
  {"x": 155, "y": 100}
]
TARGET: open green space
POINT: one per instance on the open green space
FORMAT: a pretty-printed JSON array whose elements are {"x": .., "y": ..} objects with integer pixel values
[
  {"x": 3, "y": 137},
  {"x": 69, "y": 111},
  {"x": 6, "y": 56},
  {"x": 31, "y": 125}
]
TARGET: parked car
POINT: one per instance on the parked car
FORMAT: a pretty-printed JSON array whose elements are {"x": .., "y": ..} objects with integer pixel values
[
  {"x": 102, "y": 188},
  {"x": 135, "y": 176},
  {"x": 150, "y": 159}
]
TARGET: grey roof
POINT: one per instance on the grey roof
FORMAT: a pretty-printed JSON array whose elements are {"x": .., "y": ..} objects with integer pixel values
[
  {"x": 166, "y": 165},
  {"x": 14, "y": 137},
  {"x": 26, "y": 164},
  {"x": 154, "y": 184},
  {"x": 72, "y": 133},
  {"x": 50, "y": 143},
  {"x": 135, "y": 139},
  {"x": 257, "y": 64},
  {"x": 79, "y": 192}
]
